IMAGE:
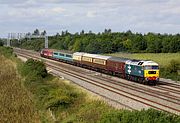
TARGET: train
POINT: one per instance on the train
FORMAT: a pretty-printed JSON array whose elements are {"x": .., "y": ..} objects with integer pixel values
[{"x": 141, "y": 71}]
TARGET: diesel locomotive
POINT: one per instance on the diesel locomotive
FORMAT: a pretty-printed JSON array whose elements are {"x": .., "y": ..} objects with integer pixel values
[{"x": 142, "y": 71}]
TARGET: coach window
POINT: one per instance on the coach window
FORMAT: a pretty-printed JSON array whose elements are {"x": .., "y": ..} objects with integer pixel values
[
  {"x": 69, "y": 56},
  {"x": 61, "y": 54}
]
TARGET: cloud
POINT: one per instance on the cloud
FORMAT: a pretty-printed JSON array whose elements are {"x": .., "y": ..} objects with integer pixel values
[
  {"x": 58, "y": 10},
  {"x": 91, "y": 14},
  {"x": 11, "y": 1},
  {"x": 75, "y": 15},
  {"x": 25, "y": 4}
]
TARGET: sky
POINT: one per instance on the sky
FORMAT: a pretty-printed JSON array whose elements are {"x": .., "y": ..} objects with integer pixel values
[{"x": 142, "y": 16}]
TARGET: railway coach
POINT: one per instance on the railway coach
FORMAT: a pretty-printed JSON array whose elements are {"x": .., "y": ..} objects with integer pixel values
[
  {"x": 63, "y": 56},
  {"x": 116, "y": 66},
  {"x": 77, "y": 58},
  {"x": 94, "y": 61}
]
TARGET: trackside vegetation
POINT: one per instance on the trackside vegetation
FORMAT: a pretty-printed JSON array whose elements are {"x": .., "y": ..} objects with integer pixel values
[
  {"x": 58, "y": 100},
  {"x": 16, "y": 103},
  {"x": 47, "y": 99}
]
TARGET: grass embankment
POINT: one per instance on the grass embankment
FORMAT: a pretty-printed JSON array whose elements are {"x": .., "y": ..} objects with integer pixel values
[
  {"x": 169, "y": 62},
  {"x": 48, "y": 99},
  {"x": 16, "y": 103},
  {"x": 59, "y": 101}
]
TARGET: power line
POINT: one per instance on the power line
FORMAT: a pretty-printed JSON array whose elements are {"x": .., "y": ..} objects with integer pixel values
[{"x": 20, "y": 36}]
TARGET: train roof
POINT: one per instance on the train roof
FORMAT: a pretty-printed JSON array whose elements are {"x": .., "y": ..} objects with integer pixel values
[
  {"x": 117, "y": 59},
  {"x": 141, "y": 62},
  {"x": 63, "y": 51},
  {"x": 47, "y": 49},
  {"x": 79, "y": 53},
  {"x": 150, "y": 63},
  {"x": 97, "y": 56}
]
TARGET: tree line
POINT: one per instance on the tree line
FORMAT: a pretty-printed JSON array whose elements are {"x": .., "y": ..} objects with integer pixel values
[{"x": 109, "y": 42}]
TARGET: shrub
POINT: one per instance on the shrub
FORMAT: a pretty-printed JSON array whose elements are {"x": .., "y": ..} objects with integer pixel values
[
  {"x": 171, "y": 70},
  {"x": 34, "y": 68},
  {"x": 6, "y": 51},
  {"x": 144, "y": 116},
  {"x": 173, "y": 66}
]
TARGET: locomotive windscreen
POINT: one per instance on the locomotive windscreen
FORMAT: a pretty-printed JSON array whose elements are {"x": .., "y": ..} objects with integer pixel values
[{"x": 152, "y": 72}]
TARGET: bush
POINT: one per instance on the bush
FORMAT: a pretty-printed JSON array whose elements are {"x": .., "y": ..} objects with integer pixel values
[
  {"x": 92, "y": 111},
  {"x": 171, "y": 70},
  {"x": 34, "y": 68},
  {"x": 173, "y": 66},
  {"x": 6, "y": 51},
  {"x": 144, "y": 116}
]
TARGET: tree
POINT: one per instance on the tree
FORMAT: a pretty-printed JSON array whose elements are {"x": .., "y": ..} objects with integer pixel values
[
  {"x": 108, "y": 42},
  {"x": 158, "y": 45},
  {"x": 77, "y": 46},
  {"x": 90, "y": 32},
  {"x": 62, "y": 33},
  {"x": 28, "y": 34},
  {"x": 165, "y": 45},
  {"x": 129, "y": 33},
  {"x": 139, "y": 43},
  {"x": 109, "y": 31},
  {"x": 36, "y": 32},
  {"x": 57, "y": 34},
  {"x": 66, "y": 32},
  {"x": 43, "y": 33},
  {"x": 174, "y": 46},
  {"x": 1, "y": 42},
  {"x": 93, "y": 47},
  {"x": 127, "y": 44},
  {"x": 82, "y": 32}
]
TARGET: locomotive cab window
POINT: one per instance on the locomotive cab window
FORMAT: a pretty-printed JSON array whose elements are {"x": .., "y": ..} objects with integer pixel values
[
  {"x": 55, "y": 53},
  {"x": 151, "y": 72},
  {"x": 155, "y": 67},
  {"x": 151, "y": 67}
]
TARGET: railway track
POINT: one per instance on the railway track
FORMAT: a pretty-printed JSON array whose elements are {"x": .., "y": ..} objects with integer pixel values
[
  {"x": 173, "y": 100},
  {"x": 150, "y": 92},
  {"x": 172, "y": 90}
]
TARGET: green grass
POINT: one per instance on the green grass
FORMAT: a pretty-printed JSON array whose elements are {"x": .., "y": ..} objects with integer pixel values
[{"x": 163, "y": 59}]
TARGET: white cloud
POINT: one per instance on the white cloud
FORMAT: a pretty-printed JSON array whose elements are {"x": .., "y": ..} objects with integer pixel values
[
  {"x": 58, "y": 10},
  {"x": 91, "y": 14},
  {"x": 95, "y": 15}
]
